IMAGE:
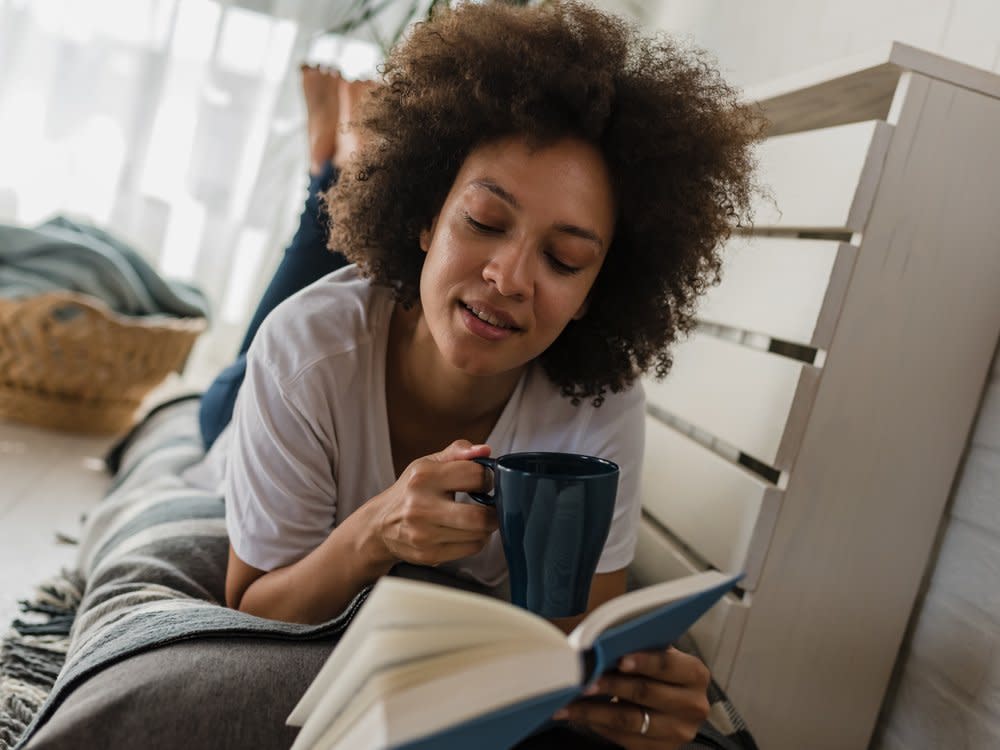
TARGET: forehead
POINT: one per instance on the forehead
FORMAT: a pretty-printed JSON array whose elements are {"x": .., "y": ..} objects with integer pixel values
[{"x": 566, "y": 180}]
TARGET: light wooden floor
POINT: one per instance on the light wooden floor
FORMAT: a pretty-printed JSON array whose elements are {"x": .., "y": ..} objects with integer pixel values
[{"x": 47, "y": 481}]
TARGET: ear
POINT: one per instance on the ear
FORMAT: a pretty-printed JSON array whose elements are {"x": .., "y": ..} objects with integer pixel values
[{"x": 426, "y": 235}]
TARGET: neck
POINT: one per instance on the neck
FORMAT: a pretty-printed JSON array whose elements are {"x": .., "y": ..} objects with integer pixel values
[{"x": 433, "y": 388}]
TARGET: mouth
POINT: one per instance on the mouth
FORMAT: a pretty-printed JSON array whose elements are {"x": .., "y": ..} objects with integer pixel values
[{"x": 493, "y": 318}]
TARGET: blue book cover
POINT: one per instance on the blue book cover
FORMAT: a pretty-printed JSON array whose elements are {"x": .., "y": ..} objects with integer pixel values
[{"x": 658, "y": 628}]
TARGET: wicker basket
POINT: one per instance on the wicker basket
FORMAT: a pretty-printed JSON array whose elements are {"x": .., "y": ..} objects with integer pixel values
[{"x": 69, "y": 362}]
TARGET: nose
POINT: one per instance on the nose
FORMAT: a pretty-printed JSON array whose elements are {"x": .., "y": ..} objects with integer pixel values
[{"x": 511, "y": 270}]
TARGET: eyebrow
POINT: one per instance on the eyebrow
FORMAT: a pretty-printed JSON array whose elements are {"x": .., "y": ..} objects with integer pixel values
[{"x": 506, "y": 197}]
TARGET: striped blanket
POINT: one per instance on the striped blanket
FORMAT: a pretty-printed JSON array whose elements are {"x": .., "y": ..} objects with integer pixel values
[
  {"x": 153, "y": 557},
  {"x": 151, "y": 572}
]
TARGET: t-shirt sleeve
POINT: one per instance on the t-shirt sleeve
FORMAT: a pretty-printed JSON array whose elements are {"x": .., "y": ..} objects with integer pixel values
[
  {"x": 620, "y": 435},
  {"x": 279, "y": 485}
]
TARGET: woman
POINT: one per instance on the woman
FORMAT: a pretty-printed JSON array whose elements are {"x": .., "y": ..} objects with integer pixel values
[{"x": 536, "y": 205}]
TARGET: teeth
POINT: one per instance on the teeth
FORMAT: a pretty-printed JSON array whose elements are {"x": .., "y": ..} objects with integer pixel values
[{"x": 487, "y": 317}]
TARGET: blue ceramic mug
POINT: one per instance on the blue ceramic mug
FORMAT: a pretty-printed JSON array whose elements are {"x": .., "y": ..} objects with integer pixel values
[{"x": 555, "y": 512}]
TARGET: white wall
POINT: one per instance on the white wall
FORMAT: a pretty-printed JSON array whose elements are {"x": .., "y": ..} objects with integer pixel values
[
  {"x": 759, "y": 40},
  {"x": 947, "y": 691}
]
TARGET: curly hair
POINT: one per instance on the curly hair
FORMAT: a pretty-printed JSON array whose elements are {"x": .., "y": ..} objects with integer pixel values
[{"x": 676, "y": 138}]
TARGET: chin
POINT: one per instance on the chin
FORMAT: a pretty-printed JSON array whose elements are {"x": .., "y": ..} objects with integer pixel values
[
  {"x": 479, "y": 369},
  {"x": 475, "y": 367}
]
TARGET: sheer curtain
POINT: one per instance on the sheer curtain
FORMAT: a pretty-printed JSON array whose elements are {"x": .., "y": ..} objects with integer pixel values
[{"x": 176, "y": 124}]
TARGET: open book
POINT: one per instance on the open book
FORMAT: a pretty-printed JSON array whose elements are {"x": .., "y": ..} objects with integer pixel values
[{"x": 425, "y": 666}]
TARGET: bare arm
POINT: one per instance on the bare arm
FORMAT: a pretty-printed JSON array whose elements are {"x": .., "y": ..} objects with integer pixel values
[
  {"x": 317, "y": 587},
  {"x": 416, "y": 520}
]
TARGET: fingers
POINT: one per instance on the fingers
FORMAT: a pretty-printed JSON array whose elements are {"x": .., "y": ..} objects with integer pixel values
[
  {"x": 437, "y": 522},
  {"x": 425, "y": 512},
  {"x": 630, "y": 725},
  {"x": 461, "y": 450},
  {"x": 420, "y": 533},
  {"x": 449, "y": 471},
  {"x": 623, "y": 723},
  {"x": 668, "y": 665},
  {"x": 667, "y": 686},
  {"x": 429, "y": 488},
  {"x": 437, "y": 531},
  {"x": 682, "y": 702},
  {"x": 419, "y": 521}
]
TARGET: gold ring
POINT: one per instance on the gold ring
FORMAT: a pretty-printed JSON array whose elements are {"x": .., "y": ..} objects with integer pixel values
[{"x": 645, "y": 722}]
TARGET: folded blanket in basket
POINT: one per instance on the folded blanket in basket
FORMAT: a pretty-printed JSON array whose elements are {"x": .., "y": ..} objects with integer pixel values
[
  {"x": 65, "y": 255},
  {"x": 153, "y": 557}
]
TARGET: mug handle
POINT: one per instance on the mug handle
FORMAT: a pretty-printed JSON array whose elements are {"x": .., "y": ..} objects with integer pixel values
[{"x": 481, "y": 497}]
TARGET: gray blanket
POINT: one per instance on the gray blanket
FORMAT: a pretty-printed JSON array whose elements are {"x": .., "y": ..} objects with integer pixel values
[
  {"x": 152, "y": 560},
  {"x": 65, "y": 255},
  {"x": 153, "y": 557}
]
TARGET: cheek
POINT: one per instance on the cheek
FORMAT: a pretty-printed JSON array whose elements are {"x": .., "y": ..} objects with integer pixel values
[
  {"x": 450, "y": 259},
  {"x": 449, "y": 250},
  {"x": 441, "y": 267},
  {"x": 559, "y": 306}
]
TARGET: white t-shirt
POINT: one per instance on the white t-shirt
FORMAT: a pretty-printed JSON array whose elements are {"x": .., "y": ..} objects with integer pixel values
[{"x": 309, "y": 440}]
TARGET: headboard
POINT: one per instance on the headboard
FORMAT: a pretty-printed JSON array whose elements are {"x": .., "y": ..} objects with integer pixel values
[{"x": 811, "y": 428}]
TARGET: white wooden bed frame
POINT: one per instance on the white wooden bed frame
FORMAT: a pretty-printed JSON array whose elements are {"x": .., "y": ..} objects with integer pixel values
[{"x": 811, "y": 429}]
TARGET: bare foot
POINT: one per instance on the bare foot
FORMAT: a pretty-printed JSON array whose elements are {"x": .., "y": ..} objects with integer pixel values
[
  {"x": 321, "y": 90},
  {"x": 350, "y": 138}
]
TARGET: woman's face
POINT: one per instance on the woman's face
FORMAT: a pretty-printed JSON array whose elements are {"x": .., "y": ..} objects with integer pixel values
[{"x": 514, "y": 251}]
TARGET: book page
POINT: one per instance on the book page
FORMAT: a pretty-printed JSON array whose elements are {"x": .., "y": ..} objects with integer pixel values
[
  {"x": 418, "y": 699},
  {"x": 394, "y": 646},
  {"x": 401, "y": 603},
  {"x": 634, "y": 603}
]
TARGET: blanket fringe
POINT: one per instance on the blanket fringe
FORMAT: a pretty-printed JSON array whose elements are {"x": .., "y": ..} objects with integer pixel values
[{"x": 33, "y": 651}]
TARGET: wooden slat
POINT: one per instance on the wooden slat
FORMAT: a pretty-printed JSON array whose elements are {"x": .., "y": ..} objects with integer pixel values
[
  {"x": 888, "y": 430},
  {"x": 790, "y": 289},
  {"x": 720, "y": 510},
  {"x": 856, "y": 88},
  {"x": 852, "y": 97},
  {"x": 717, "y": 633},
  {"x": 756, "y": 401},
  {"x": 822, "y": 179}
]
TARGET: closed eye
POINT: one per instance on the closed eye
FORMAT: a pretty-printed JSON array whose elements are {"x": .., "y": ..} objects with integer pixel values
[
  {"x": 559, "y": 266},
  {"x": 480, "y": 227}
]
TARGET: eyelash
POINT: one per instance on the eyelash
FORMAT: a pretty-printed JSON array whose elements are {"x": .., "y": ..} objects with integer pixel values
[
  {"x": 480, "y": 227},
  {"x": 557, "y": 265}
]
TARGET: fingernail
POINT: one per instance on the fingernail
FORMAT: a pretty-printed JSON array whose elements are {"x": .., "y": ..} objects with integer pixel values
[
  {"x": 561, "y": 714},
  {"x": 628, "y": 664},
  {"x": 592, "y": 689}
]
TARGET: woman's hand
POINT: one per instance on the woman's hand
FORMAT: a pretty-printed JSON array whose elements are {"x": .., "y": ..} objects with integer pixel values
[
  {"x": 417, "y": 519},
  {"x": 669, "y": 687}
]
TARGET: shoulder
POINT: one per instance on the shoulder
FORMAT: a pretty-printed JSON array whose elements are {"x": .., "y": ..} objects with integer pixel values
[
  {"x": 617, "y": 423},
  {"x": 336, "y": 315},
  {"x": 539, "y": 390}
]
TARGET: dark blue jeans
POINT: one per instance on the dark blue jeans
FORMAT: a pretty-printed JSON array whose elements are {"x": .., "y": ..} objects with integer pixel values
[{"x": 306, "y": 259}]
